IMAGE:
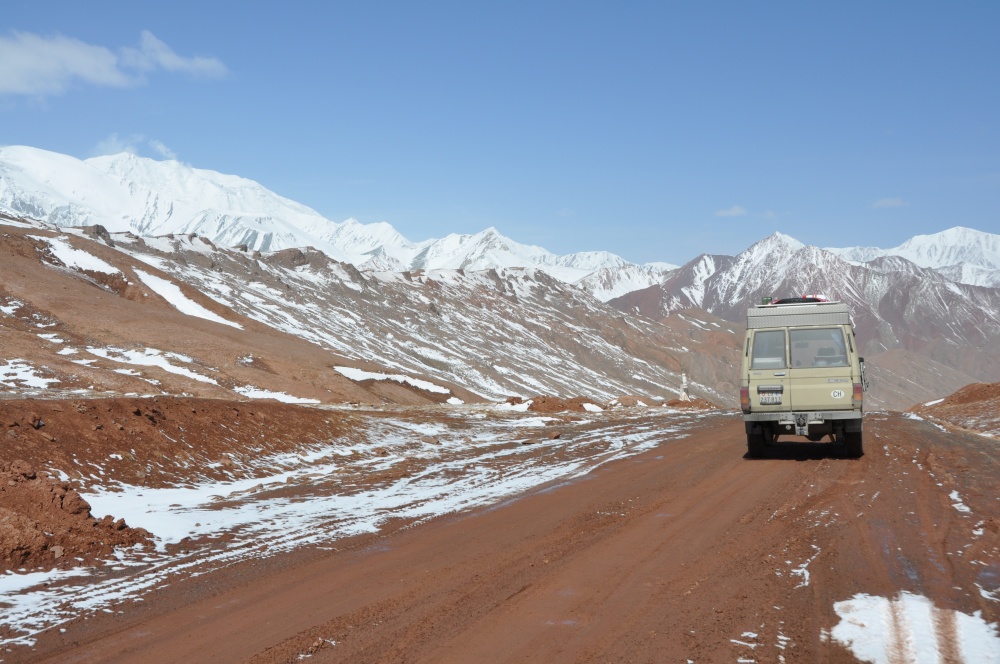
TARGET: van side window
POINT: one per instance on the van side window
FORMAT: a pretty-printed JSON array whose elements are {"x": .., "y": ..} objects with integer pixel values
[
  {"x": 768, "y": 350},
  {"x": 818, "y": 347}
]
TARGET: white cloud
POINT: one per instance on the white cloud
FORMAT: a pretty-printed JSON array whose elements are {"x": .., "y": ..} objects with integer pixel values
[
  {"x": 41, "y": 66},
  {"x": 34, "y": 65},
  {"x": 735, "y": 211},
  {"x": 134, "y": 144},
  {"x": 115, "y": 144},
  {"x": 162, "y": 149},
  {"x": 888, "y": 203},
  {"x": 154, "y": 54}
]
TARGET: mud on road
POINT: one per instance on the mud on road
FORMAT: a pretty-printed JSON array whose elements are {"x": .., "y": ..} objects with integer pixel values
[{"x": 684, "y": 550}]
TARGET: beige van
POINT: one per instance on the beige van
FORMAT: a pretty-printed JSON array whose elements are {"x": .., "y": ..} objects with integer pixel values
[{"x": 801, "y": 374}]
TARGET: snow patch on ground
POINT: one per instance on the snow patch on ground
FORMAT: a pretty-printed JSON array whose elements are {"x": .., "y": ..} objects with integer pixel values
[
  {"x": 515, "y": 407},
  {"x": 20, "y": 373},
  {"x": 803, "y": 569},
  {"x": 257, "y": 393},
  {"x": 911, "y": 629},
  {"x": 75, "y": 258},
  {"x": 172, "y": 293},
  {"x": 150, "y": 357},
  {"x": 358, "y": 375},
  {"x": 15, "y": 224},
  {"x": 958, "y": 504},
  {"x": 11, "y": 307}
]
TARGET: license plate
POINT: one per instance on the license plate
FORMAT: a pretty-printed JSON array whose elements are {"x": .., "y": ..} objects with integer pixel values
[{"x": 770, "y": 399}]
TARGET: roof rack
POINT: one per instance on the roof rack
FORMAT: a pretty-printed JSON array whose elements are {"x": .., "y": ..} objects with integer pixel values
[{"x": 799, "y": 313}]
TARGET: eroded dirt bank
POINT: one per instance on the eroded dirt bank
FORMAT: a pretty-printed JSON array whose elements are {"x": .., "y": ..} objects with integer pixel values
[
  {"x": 686, "y": 551},
  {"x": 153, "y": 441}
]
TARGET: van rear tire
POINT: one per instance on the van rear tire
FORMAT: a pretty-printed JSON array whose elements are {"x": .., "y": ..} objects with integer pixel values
[
  {"x": 854, "y": 444},
  {"x": 755, "y": 444}
]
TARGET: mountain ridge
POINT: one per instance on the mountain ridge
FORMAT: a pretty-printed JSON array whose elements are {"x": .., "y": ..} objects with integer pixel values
[
  {"x": 963, "y": 254},
  {"x": 125, "y": 192}
]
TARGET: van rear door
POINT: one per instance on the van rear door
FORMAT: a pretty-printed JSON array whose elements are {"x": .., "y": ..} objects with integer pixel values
[
  {"x": 819, "y": 369},
  {"x": 768, "y": 369}
]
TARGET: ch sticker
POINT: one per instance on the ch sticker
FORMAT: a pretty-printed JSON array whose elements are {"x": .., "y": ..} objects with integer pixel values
[{"x": 837, "y": 394}]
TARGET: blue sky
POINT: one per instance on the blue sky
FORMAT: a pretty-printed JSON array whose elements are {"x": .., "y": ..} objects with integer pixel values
[{"x": 655, "y": 130}]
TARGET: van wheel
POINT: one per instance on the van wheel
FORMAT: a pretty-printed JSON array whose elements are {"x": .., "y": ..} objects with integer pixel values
[
  {"x": 755, "y": 444},
  {"x": 854, "y": 445}
]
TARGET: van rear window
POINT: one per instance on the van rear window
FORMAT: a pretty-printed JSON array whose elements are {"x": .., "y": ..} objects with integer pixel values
[
  {"x": 818, "y": 347},
  {"x": 768, "y": 350}
]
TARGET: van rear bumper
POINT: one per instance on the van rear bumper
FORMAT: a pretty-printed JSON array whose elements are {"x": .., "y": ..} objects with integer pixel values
[
  {"x": 811, "y": 415},
  {"x": 800, "y": 421}
]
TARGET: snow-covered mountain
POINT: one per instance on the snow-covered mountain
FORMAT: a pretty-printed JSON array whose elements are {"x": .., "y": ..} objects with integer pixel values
[
  {"x": 129, "y": 193},
  {"x": 896, "y": 303},
  {"x": 607, "y": 283},
  {"x": 964, "y": 255},
  {"x": 154, "y": 198}
]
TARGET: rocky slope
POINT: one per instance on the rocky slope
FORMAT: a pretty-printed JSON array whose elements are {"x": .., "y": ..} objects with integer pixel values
[
  {"x": 975, "y": 407},
  {"x": 90, "y": 312}
]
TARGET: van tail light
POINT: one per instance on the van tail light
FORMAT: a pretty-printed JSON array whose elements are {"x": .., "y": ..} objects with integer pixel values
[
  {"x": 858, "y": 394},
  {"x": 745, "y": 398}
]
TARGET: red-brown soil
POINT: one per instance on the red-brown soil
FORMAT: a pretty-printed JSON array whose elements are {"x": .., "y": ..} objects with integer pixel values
[
  {"x": 149, "y": 442},
  {"x": 689, "y": 551},
  {"x": 155, "y": 441},
  {"x": 46, "y": 523},
  {"x": 551, "y": 404},
  {"x": 975, "y": 407},
  {"x": 690, "y": 404}
]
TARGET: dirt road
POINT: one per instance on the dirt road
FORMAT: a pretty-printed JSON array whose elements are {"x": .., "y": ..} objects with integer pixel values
[{"x": 686, "y": 552}]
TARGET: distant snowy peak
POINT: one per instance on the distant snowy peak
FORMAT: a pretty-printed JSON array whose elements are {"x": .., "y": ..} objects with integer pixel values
[
  {"x": 775, "y": 242},
  {"x": 603, "y": 274},
  {"x": 129, "y": 193},
  {"x": 952, "y": 247},
  {"x": 56, "y": 188},
  {"x": 608, "y": 283},
  {"x": 961, "y": 254},
  {"x": 362, "y": 239},
  {"x": 481, "y": 251},
  {"x": 765, "y": 257},
  {"x": 591, "y": 260},
  {"x": 125, "y": 192},
  {"x": 858, "y": 255},
  {"x": 380, "y": 261}
]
